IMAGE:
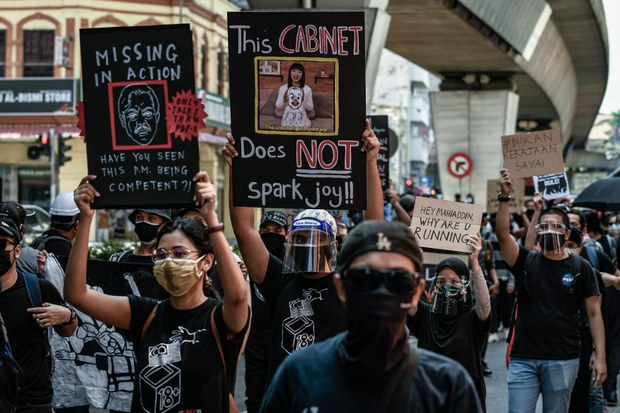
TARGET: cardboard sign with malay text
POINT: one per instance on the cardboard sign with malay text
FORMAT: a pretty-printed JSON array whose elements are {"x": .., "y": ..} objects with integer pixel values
[
  {"x": 517, "y": 195},
  {"x": 533, "y": 153},
  {"x": 445, "y": 225},
  {"x": 140, "y": 115},
  {"x": 297, "y": 86}
]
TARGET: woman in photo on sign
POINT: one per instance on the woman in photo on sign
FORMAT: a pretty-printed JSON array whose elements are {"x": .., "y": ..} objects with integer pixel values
[
  {"x": 186, "y": 346},
  {"x": 294, "y": 103}
]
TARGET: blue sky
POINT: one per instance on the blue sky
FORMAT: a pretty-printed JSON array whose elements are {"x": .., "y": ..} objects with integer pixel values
[{"x": 611, "y": 102}]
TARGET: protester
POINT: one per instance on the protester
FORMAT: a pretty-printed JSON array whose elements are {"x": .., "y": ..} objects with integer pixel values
[
  {"x": 456, "y": 321},
  {"x": 192, "y": 341},
  {"x": 402, "y": 206},
  {"x": 371, "y": 367},
  {"x": 551, "y": 285},
  {"x": 63, "y": 226},
  {"x": 27, "y": 321},
  {"x": 299, "y": 291},
  {"x": 28, "y": 259},
  {"x": 148, "y": 223}
]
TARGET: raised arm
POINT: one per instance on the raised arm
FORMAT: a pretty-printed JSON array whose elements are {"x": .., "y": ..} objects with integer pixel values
[
  {"x": 255, "y": 254},
  {"x": 508, "y": 246},
  {"x": 374, "y": 194},
  {"x": 235, "y": 309},
  {"x": 401, "y": 214},
  {"x": 110, "y": 309},
  {"x": 479, "y": 286},
  {"x": 530, "y": 236}
]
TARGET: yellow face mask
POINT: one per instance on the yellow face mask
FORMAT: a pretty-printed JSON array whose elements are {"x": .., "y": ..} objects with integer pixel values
[{"x": 177, "y": 276}]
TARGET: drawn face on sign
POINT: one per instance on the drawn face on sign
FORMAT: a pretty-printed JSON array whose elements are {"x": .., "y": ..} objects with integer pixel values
[
  {"x": 138, "y": 112},
  {"x": 295, "y": 97}
]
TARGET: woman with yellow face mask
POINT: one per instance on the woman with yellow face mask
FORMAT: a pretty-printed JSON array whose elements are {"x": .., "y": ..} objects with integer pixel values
[{"x": 184, "y": 345}]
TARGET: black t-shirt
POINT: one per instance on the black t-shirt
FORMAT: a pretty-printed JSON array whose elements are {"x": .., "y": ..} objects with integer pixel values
[
  {"x": 177, "y": 363},
  {"x": 549, "y": 298},
  {"x": 26, "y": 339},
  {"x": 315, "y": 380},
  {"x": 57, "y": 244},
  {"x": 304, "y": 311},
  {"x": 459, "y": 337}
]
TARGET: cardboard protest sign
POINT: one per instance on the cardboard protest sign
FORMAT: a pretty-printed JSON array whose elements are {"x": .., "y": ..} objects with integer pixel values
[
  {"x": 517, "y": 195},
  {"x": 552, "y": 186},
  {"x": 297, "y": 85},
  {"x": 445, "y": 225},
  {"x": 533, "y": 153},
  {"x": 379, "y": 125},
  {"x": 141, "y": 115}
]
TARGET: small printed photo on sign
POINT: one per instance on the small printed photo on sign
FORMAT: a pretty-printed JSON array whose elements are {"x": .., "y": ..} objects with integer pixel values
[
  {"x": 296, "y": 96},
  {"x": 138, "y": 115},
  {"x": 552, "y": 186}
]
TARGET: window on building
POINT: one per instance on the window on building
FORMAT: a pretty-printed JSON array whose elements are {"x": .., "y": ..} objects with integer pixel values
[
  {"x": 222, "y": 72},
  {"x": 204, "y": 65},
  {"x": 2, "y": 53},
  {"x": 38, "y": 53}
]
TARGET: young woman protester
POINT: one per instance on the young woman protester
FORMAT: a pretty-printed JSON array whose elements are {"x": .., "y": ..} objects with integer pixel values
[{"x": 184, "y": 345}]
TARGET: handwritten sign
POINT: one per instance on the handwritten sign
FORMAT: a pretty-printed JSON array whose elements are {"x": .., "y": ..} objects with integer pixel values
[
  {"x": 552, "y": 186},
  {"x": 141, "y": 115},
  {"x": 379, "y": 125},
  {"x": 445, "y": 225},
  {"x": 517, "y": 195},
  {"x": 534, "y": 153},
  {"x": 297, "y": 86}
]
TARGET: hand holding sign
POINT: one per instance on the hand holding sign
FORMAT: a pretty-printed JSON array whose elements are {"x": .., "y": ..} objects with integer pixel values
[
  {"x": 370, "y": 143},
  {"x": 539, "y": 202},
  {"x": 228, "y": 151},
  {"x": 506, "y": 181},
  {"x": 84, "y": 196},
  {"x": 474, "y": 241}
]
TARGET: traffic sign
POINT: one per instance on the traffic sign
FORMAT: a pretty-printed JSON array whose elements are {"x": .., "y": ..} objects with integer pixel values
[{"x": 460, "y": 165}]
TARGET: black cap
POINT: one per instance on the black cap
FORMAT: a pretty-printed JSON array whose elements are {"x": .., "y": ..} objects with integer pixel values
[
  {"x": 379, "y": 236},
  {"x": 407, "y": 201},
  {"x": 9, "y": 227},
  {"x": 15, "y": 211},
  {"x": 164, "y": 213},
  {"x": 277, "y": 217}
]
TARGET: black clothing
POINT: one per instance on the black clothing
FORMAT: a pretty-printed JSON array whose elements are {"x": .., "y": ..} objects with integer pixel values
[
  {"x": 459, "y": 337},
  {"x": 317, "y": 379},
  {"x": 303, "y": 311},
  {"x": 178, "y": 366},
  {"x": 27, "y": 340},
  {"x": 57, "y": 243},
  {"x": 550, "y": 297}
]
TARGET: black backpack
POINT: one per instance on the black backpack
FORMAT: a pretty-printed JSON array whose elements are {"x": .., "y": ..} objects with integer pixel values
[
  {"x": 40, "y": 242},
  {"x": 10, "y": 373}
]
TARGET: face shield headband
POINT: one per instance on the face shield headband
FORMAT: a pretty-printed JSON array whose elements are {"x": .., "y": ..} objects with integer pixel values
[{"x": 310, "y": 247}]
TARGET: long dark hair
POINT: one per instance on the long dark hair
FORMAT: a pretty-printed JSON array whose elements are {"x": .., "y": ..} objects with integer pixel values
[
  {"x": 193, "y": 229},
  {"x": 302, "y": 81}
]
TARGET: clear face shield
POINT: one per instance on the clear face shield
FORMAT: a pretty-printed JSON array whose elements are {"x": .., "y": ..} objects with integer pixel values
[
  {"x": 449, "y": 294},
  {"x": 310, "y": 247},
  {"x": 551, "y": 235}
]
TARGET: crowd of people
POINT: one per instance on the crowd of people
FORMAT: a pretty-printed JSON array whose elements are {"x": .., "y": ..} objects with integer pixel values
[{"x": 323, "y": 308}]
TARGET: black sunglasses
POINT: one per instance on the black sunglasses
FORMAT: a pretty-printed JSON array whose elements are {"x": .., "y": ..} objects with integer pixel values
[
  {"x": 368, "y": 279},
  {"x": 5, "y": 242}
]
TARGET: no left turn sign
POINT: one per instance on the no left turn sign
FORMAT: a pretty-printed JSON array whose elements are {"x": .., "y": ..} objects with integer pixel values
[{"x": 459, "y": 165}]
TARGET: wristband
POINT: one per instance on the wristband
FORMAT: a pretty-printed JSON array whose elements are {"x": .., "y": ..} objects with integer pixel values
[
  {"x": 72, "y": 318},
  {"x": 215, "y": 228},
  {"x": 502, "y": 198}
]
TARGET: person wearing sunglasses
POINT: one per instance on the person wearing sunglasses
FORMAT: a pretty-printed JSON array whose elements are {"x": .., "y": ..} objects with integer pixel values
[
  {"x": 372, "y": 367},
  {"x": 27, "y": 325},
  {"x": 551, "y": 286},
  {"x": 186, "y": 344},
  {"x": 457, "y": 319}
]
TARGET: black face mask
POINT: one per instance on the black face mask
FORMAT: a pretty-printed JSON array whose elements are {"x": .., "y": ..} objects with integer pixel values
[
  {"x": 376, "y": 337},
  {"x": 274, "y": 243},
  {"x": 5, "y": 262},
  {"x": 552, "y": 242},
  {"x": 529, "y": 213},
  {"x": 146, "y": 231}
]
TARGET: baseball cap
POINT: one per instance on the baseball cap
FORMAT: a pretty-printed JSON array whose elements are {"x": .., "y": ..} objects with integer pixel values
[
  {"x": 15, "y": 211},
  {"x": 379, "y": 236},
  {"x": 164, "y": 213},
  {"x": 9, "y": 227},
  {"x": 277, "y": 217}
]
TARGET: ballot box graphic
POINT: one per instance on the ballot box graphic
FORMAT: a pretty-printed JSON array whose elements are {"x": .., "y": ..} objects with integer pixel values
[
  {"x": 297, "y": 332},
  {"x": 160, "y": 387}
]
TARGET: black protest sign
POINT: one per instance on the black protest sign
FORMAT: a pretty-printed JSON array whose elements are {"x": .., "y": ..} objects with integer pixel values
[
  {"x": 379, "y": 124},
  {"x": 297, "y": 85},
  {"x": 552, "y": 186},
  {"x": 141, "y": 115}
]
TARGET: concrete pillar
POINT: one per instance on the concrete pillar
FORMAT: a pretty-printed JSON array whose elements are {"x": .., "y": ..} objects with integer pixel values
[{"x": 472, "y": 122}]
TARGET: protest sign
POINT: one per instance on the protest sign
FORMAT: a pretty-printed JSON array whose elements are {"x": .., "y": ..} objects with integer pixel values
[
  {"x": 552, "y": 186},
  {"x": 517, "y": 195},
  {"x": 533, "y": 153},
  {"x": 297, "y": 85},
  {"x": 379, "y": 125},
  {"x": 141, "y": 115},
  {"x": 445, "y": 225}
]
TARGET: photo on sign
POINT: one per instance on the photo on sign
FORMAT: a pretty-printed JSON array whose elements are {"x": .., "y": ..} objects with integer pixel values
[
  {"x": 138, "y": 115},
  {"x": 552, "y": 186},
  {"x": 296, "y": 96}
]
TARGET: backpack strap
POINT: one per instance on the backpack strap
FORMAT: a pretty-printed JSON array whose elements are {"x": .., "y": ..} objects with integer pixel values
[
  {"x": 33, "y": 289},
  {"x": 4, "y": 337},
  {"x": 147, "y": 323}
]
